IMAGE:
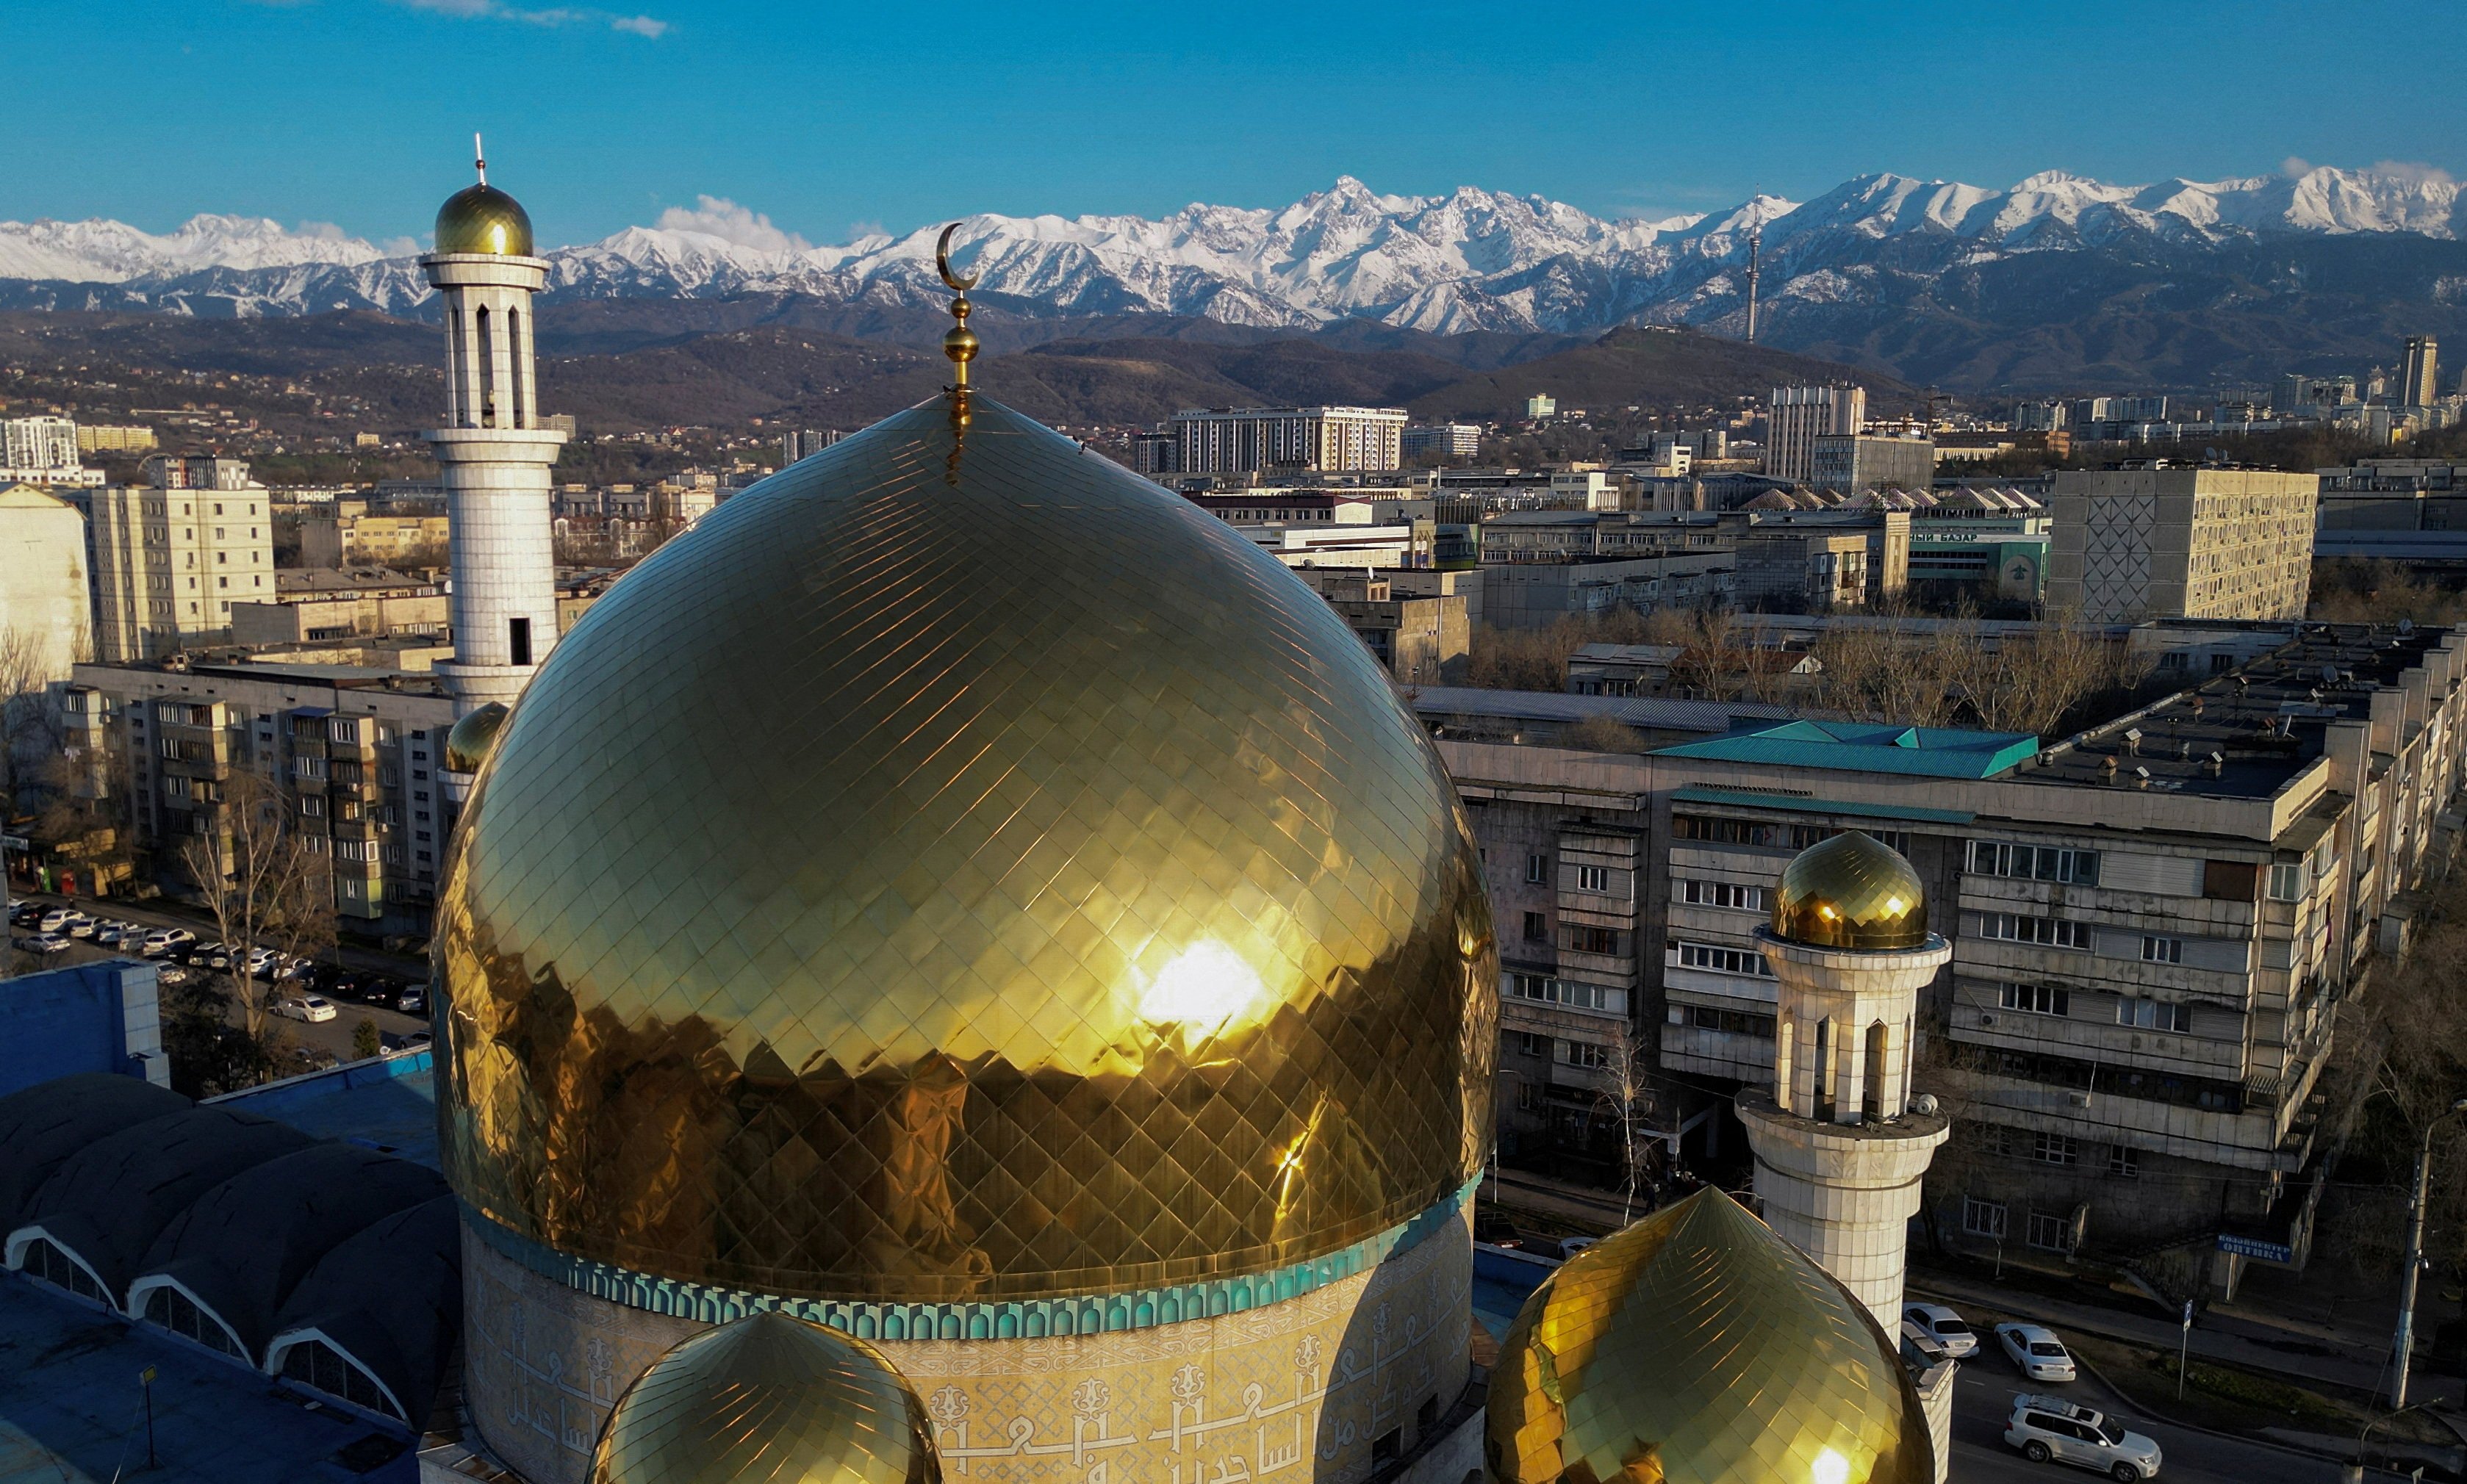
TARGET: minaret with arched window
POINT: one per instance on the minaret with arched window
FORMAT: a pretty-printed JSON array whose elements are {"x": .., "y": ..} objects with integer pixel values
[{"x": 493, "y": 452}]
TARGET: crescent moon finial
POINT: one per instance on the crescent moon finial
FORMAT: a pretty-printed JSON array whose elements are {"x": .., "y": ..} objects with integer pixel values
[{"x": 942, "y": 262}]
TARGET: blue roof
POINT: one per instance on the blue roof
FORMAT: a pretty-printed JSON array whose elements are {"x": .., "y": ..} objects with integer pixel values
[
  {"x": 1855, "y": 747},
  {"x": 387, "y": 1104}
]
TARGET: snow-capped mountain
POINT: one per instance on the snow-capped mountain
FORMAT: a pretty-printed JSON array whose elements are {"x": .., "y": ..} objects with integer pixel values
[{"x": 1472, "y": 260}]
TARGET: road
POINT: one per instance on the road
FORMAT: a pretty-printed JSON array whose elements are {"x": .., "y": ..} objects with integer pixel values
[{"x": 332, "y": 1037}]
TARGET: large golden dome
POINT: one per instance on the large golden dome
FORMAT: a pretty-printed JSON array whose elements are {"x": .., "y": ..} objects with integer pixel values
[
  {"x": 773, "y": 1398},
  {"x": 1852, "y": 890},
  {"x": 1699, "y": 1346},
  {"x": 482, "y": 218},
  {"x": 962, "y": 871}
]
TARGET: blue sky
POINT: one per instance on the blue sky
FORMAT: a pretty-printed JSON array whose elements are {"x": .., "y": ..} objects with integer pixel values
[{"x": 826, "y": 117}]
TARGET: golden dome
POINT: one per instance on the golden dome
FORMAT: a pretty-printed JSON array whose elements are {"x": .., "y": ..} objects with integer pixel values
[
  {"x": 962, "y": 871},
  {"x": 1698, "y": 1345},
  {"x": 467, "y": 746},
  {"x": 1852, "y": 890},
  {"x": 768, "y": 1397},
  {"x": 483, "y": 219}
]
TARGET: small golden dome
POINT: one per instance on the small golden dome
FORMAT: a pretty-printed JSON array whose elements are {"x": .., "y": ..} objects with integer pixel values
[
  {"x": 1852, "y": 890},
  {"x": 769, "y": 1397},
  {"x": 1697, "y": 1344},
  {"x": 467, "y": 745},
  {"x": 483, "y": 219}
]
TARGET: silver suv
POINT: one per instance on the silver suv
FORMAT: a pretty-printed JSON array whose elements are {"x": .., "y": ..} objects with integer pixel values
[{"x": 2046, "y": 1427}]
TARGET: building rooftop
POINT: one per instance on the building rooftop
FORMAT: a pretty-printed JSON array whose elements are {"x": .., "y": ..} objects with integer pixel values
[
  {"x": 388, "y": 1105},
  {"x": 1926, "y": 752},
  {"x": 333, "y": 582},
  {"x": 71, "y": 1406},
  {"x": 1444, "y": 704}
]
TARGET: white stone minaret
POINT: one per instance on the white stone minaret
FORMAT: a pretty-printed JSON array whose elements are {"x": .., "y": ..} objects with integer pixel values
[
  {"x": 493, "y": 452},
  {"x": 1839, "y": 1152}
]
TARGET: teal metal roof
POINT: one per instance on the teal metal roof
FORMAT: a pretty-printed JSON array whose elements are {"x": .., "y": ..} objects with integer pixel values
[
  {"x": 1743, "y": 799},
  {"x": 1854, "y": 747}
]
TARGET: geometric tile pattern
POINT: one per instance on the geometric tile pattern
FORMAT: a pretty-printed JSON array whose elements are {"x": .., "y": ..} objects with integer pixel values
[
  {"x": 2116, "y": 569},
  {"x": 770, "y": 1399},
  {"x": 961, "y": 870},
  {"x": 1852, "y": 890},
  {"x": 1697, "y": 1345}
]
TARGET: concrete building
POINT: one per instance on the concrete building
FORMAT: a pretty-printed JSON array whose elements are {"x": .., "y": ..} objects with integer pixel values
[
  {"x": 1252, "y": 439},
  {"x": 1420, "y": 639},
  {"x": 2180, "y": 541},
  {"x": 2418, "y": 377},
  {"x": 1441, "y": 441},
  {"x": 359, "y": 755},
  {"x": 2151, "y": 927},
  {"x": 1850, "y": 556},
  {"x": 345, "y": 540},
  {"x": 1853, "y": 462},
  {"x": 804, "y": 443},
  {"x": 170, "y": 557},
  {"x": 495, "y": 450},
  {"x": 44, "y": 603},
  {"x": 107, "y": 439},
  {"x": 1541, "y": 405},
  {"x": 42, "y": 451},
  {"x": 89, "y": 1017},
  {"x": 356, "y": 603},
  {"x": 1536, "y": 595},
  {"x": 1797, "y": 417}
]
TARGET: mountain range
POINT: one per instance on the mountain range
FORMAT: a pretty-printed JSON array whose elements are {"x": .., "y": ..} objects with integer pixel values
[{"x": 2056, "y": 283}]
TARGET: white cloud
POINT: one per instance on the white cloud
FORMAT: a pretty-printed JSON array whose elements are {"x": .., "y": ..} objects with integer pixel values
[
  {"x": 322, "y": 231},
  {"x": 2416, "y": 172},
  {"x": 719, "y": 217},
  {"x": 2294, "y": 165},
  {"x": 398, "y": 247},
  {"x": 645, "y": 26}
]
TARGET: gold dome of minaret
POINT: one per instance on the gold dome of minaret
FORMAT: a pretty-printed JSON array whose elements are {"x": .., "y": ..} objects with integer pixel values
[
  {"x": 481, "y": 219},
  {"x": 1854, "y": 891}
]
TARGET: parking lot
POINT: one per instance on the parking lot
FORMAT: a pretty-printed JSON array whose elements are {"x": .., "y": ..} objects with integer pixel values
[{"x": 356, "y": 984}]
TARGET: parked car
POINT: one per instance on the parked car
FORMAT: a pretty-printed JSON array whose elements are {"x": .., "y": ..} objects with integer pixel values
[
  {"x": 262, "y": 963},
  {"x": 2053, "y": 1429},
  {"x": 163, "y": 941},
  {"x": 294, "y": 967},
  {"x": 81, "y": 926},
  {"x": 54, "y": 919},
  {"x": 1945, "y": 1326},
  {"x": 412, "y": 999},
  {"x": 43, "y": 943},
  {"x": 22, "y": 914},
  {"x": 2036, "y": 1351},
  {"x": 307, "y": 1007}
]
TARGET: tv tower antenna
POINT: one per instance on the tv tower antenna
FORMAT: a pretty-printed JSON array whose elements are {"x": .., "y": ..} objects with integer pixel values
[{"x": 1756, "y": 268}]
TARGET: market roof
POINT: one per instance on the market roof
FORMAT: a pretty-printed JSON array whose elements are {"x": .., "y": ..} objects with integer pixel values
[
  {"x": 1855, "y": 747},
  {"x": 389, "y": 1296},
  {"x": 44, "y": 1125}
]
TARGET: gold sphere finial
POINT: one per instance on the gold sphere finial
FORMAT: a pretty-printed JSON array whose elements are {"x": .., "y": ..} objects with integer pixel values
[{"x": 959, "y": 343}]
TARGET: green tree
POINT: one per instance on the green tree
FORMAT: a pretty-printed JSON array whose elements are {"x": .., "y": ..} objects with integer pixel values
[{"x": 363, "y": 1040}]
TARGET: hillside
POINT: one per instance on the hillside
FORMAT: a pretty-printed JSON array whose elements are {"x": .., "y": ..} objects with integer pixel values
[{"x": 1650, "y": 368}]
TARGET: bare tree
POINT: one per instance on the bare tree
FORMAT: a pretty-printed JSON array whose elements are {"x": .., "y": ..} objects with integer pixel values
[
  {"x": 262, "y": 880},
  {"x": 32, "y": 726},
  {"x": 1626, "y": 1099}
]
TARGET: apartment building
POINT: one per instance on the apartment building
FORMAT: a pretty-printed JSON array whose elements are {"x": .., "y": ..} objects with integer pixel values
[
  {"x": 1251, "y": 440},
  {"x": 1442, "y": 441},
  {"x": 43, "y": 450},
  {"x": 1797, "y": 417},
  {"x": 1853, "y": 462},
  {"x": 1420, "y": 638},
  {"x": 358, "y": 762},
  {"x": 319, "y": 604},
  {"x": 372, "y": 540},
  {"x": 170, "y": 556},
  {"x": 43, "y": 602},
  {"x": 2160, "y": 541},
  {"x": 2152, "y": 922}
]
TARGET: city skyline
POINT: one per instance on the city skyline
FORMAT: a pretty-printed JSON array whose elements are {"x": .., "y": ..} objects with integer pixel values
[{"x": 863, "y": 122}]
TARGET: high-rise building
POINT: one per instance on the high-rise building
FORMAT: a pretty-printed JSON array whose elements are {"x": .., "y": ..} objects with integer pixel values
[
  {"x": 1323, "y": 440},
  {"x": 2417, "y": 383},
  {"x": 806, "y": 442},
  {"x": 42, "y": 450},
  {"x": 1442, "y": 441},
  {"x": 2185, "y": 543},
  {"x": 44, "y": 618},
  {"x": 170, "y": 556},
  {"x": 1796, "y": 416},
  {"x": 495, "y": 450},
  {"x": 1855, "y": 462}
]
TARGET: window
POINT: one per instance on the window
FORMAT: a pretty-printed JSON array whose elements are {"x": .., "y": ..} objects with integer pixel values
[
  {"x": 174, "y": 1311},
  {"x": 312, "y": 805},
  {"x": 1982, "y": 1218},
  {"x": 56, "y": 1268},
  {"x": 1721, "y": 893},
  {"x": 2154, "y": 1015},
  {"x": 1731, "y": 1021},
  {"x": 1530, "y": 1045},
  {"x": 2055, "y": 1149},
  {"x": 2035, "y": 999},
  {"x": 343, "y": 728},
  {"x": 1537, "y": 869},
  {"x": 1609, "y": 942},
  {"x": 1595, "y": 879},
  {"x": 2287, "y": 882},
  {"x": 2052, "y": 931},
  {"x": 2033, "y": 863},
  {"x": 1723, "y": 961},
  {"x": 2159, "y": 950},
  {"x": 2050, "y": 1232},
  {"x": 308, "y": 767},
  {"x": 313, "y": 1363},
  {"x": 1537, "y": 928},
  {"x": 2123, "y": 1163},
  {"x": 1543, "y": 989},
  {"x": 518, "y": 633},
  {"x": 1528, "y": 1098},
  {"x": 1584, "y": 1054}
]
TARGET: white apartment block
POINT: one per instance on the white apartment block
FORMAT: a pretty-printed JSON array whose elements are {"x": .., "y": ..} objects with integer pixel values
[
  {"x": 2152, "y": 925},
  {"x": 2193, "y": 543},
  {"x": 42, "y": 581},
  {"x": 1254, "y": 440},
  {"x": 42, "y": 450},
  {"x": 1444, "y": 440},
  {"x": 358, "y": 765},
  {"x": 170, "y": 557},
  {"x": 1797, "y": 417}
]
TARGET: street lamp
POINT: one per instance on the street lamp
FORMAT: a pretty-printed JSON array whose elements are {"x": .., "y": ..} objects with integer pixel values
[{"x": 2405, "y": 1342}]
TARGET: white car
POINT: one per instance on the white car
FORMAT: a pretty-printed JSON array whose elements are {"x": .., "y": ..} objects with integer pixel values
[
  {"x": 164, "y": 940},
  {"x": 260, "y": 963},
  {"x": 44, "y": 943},
  {"x": 2036, "y": 1351},
  {"x": 1945, "y": 1326},
  {"x": 316, "y": 1007},
  {"x": 2053, "y": 1429},
  {"x": 110, "y": 934}
]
